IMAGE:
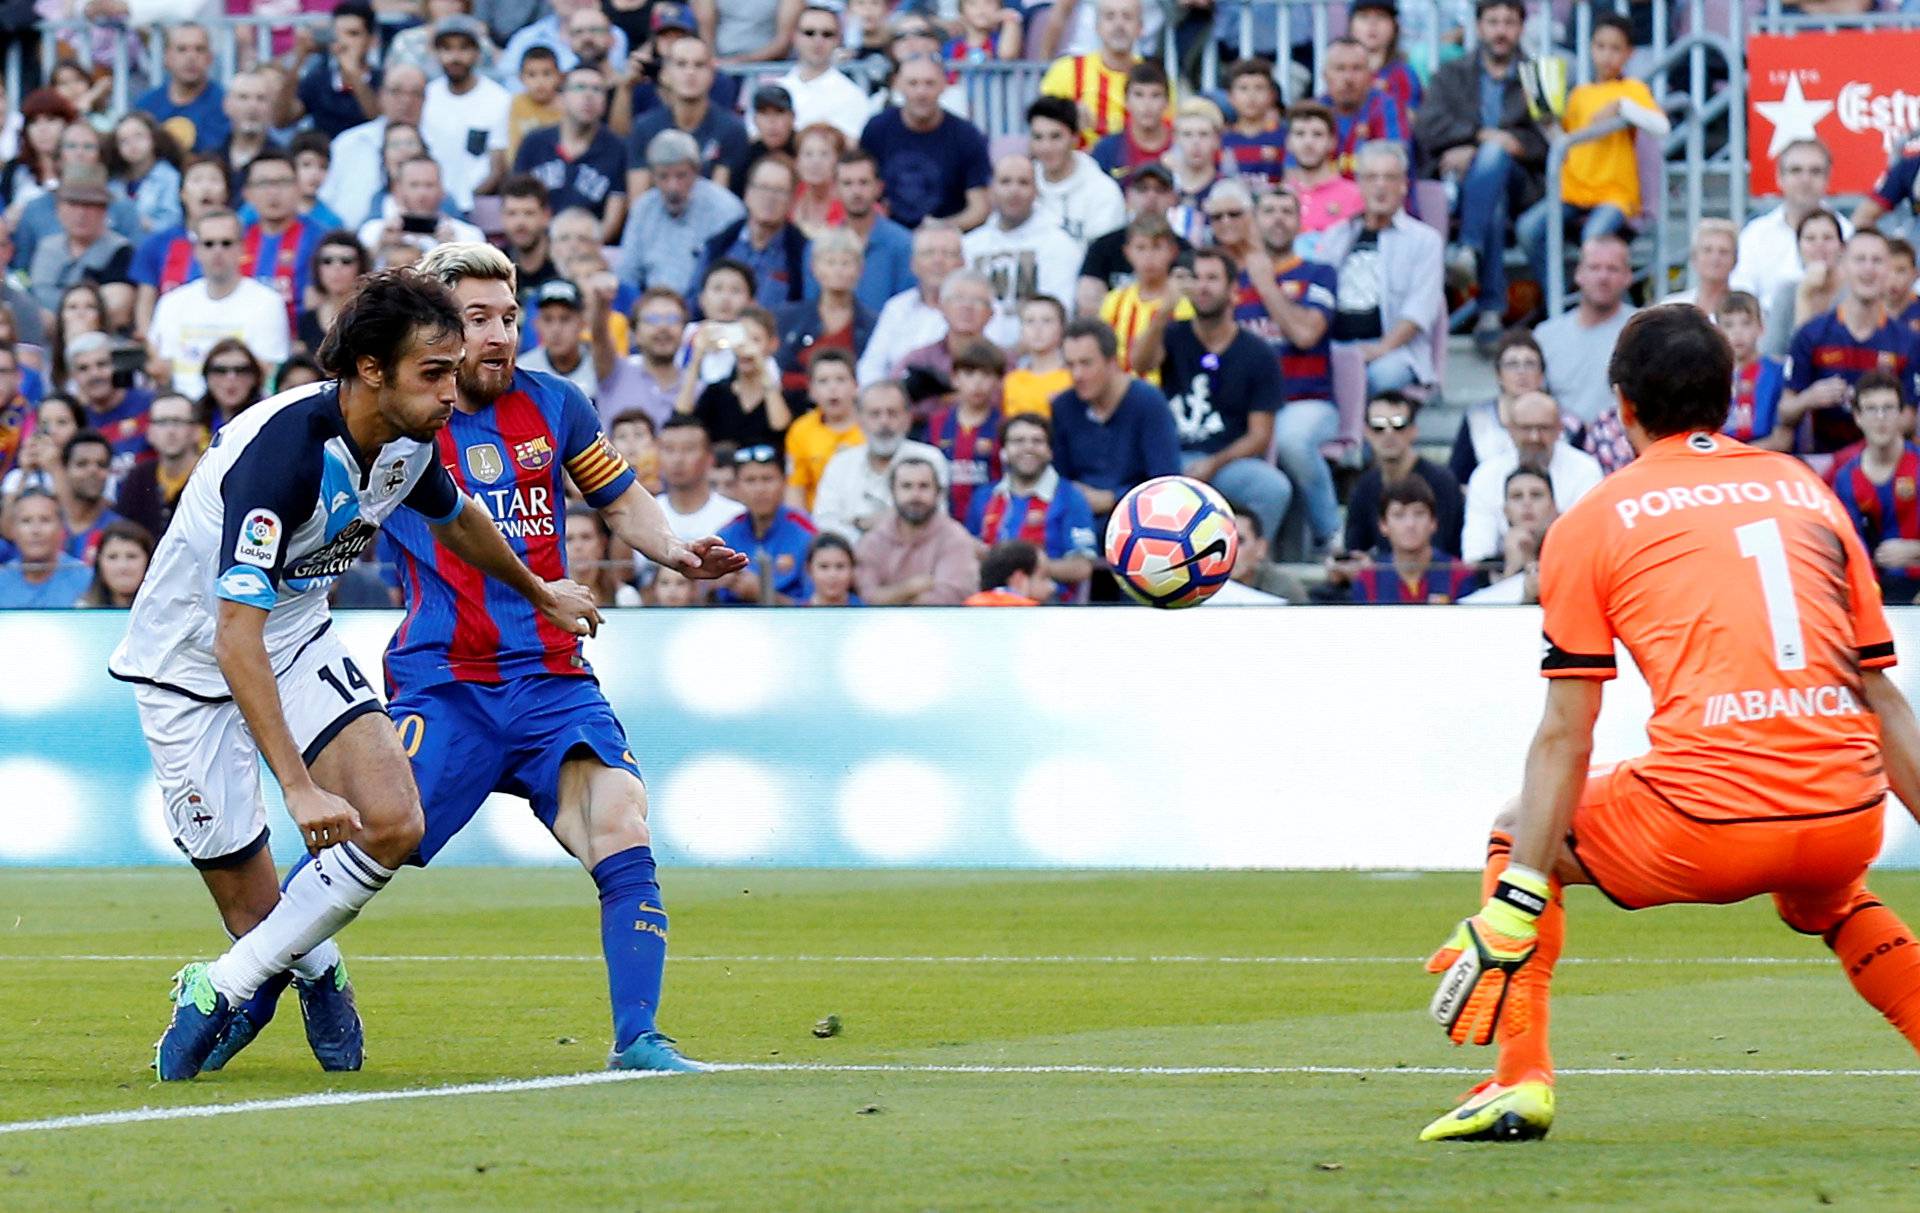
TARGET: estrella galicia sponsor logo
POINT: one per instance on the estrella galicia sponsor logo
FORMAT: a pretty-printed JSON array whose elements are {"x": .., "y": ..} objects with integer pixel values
[
  {"x": 259, "y": 542},
  {"x": 335, "y": 558}
]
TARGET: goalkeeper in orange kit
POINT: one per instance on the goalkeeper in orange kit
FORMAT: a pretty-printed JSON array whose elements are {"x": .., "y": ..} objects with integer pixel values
[{"x": 1736, "y": 582}]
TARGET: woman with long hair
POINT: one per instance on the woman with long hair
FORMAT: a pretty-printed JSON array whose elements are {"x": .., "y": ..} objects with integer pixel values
[
  {"x": 1375, "y": 25},
  {"x": 1819, "y": 287},
  {"x": 297, "y": 371},
  {"x": 44, "y": 114},
  {"x": 816, "y": 203},
  {"x": 87, "y": 95},
  {"x": 1519, "y": 368},
  {"x": 83, "y": 309},
  {"x": 55, "y": 419},
  {"x": 339, "y": 262},
  {"x": 235, "y": 381},
  {"x": 830, "y": 563},
  {"x": 119, "y": 565},
  {"x": 144, "y": 159}
]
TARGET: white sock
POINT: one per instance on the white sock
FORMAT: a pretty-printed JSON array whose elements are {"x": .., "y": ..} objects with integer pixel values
[
  {"x": 320, "y": 900},
  {"x": 314, "y": 964}
]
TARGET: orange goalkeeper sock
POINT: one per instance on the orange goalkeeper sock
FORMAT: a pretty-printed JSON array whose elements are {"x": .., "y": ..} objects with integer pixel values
[
  {"x": 1524, "y": 1055},
  {"x": 1882, "y": 961}
]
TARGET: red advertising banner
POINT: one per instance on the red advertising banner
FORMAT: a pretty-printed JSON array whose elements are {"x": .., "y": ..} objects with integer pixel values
[{"x": 1847, "y": 90}]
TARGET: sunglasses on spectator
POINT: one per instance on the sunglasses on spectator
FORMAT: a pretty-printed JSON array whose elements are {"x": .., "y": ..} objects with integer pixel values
[
  {"x": 1228, "y": 212},
  {"x": 216, "y": 243},
  {"x": 819, "y": 32},
  {"x": 755, "y": 454},
  {"x": 1381, "y": 425},
  {"x": 230, "y": 369}
]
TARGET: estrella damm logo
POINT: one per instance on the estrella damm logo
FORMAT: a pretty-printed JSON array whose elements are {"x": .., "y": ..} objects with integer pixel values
[{"x": 533, "y": 454}]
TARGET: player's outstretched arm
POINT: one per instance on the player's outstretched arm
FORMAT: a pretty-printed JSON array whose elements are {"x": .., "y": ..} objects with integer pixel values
[
  {"x": 639, "y": 522},
  {"x": 471, "y": 536},
  {"x": 239, "y": 645},
  {"x": 1899, "y": 737}
]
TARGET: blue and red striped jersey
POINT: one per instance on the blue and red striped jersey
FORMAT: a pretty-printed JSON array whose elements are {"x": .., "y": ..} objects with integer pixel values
[
  {"x": 973, "y": 455},
  {"x": 1884, "y": 511},
  {"x": 461, "y": 626},
  {"x": 1824, "y": 347},
  {"x": 1264, "y": 154},
  {"x": 283, "y": 262},
  {"x": 1305, "y": 374},
  {"x": 1379, "y": 117},
  {"x": 1756, "y": 400},
  {"x": 1445, "y": 580}
]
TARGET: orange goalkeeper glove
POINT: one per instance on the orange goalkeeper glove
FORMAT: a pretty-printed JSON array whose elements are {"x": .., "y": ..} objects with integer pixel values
[{"x": 1479, "y": 961}]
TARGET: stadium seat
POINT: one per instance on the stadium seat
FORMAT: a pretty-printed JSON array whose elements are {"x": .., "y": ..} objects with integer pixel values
[
  {"x": 486, "y": 214},
  {"x": 1430, "y": 205}
]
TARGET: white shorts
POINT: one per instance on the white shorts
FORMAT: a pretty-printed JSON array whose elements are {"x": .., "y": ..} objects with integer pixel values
[{"x": 208, "y": 765}]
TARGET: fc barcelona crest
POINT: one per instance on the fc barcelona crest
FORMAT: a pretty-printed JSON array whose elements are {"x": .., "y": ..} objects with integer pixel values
[
  {"x": 1903, "y": 488},
  {"x": 483, "y": 462},
  {"x": 533, "y": 454}
]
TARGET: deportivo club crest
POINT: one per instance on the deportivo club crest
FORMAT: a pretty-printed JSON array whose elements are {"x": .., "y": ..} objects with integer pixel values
[
  {"x": 484, "y": 462},
  {"x": 533, "y": 454}
]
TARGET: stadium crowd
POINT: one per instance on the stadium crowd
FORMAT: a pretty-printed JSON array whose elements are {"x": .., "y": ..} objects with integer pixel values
[{"x": 896, "y": 361}]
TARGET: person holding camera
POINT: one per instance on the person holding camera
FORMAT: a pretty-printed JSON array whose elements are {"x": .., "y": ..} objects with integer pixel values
[
  {"x": 189, "y": 320},
  {"x": 413, "y": 212}
]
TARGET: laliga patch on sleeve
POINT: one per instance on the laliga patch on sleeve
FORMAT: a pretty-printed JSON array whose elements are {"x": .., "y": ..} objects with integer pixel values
[{"x": 259, "y": 542}]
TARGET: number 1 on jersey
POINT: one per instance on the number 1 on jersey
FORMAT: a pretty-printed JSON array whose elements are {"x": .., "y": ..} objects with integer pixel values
[{"x": 1760, "y": 542}]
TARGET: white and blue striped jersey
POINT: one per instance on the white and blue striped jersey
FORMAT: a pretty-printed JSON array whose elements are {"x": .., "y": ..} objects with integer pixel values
[{"x": 279, "y": 507}]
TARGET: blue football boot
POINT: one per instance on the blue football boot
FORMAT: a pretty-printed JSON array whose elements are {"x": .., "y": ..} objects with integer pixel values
[
  {"x": 653, "y": 1051},
  {"x": 249, "y": 1020},
  {"x": 200, "y": 1017},
  {"x": 334, "y": 1032}
]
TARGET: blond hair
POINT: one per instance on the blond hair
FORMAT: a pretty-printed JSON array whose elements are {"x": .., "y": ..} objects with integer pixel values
[
  {"x": 452, "y": 262},
  {"x": 1200, "y": 107}
]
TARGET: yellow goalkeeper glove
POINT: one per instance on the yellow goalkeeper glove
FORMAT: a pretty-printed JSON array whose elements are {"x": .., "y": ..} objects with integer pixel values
[{"x": 1479, "y": 961}]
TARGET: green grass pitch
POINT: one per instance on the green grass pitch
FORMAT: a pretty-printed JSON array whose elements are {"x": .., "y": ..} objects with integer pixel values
[{"x": 954, "y": 981}]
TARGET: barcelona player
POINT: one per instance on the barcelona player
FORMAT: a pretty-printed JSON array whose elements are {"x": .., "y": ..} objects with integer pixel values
[{"x": 1736, "y": 582}]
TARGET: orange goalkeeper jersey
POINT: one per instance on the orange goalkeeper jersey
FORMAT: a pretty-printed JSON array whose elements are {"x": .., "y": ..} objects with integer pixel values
[{"x": 1735, "y": 580}]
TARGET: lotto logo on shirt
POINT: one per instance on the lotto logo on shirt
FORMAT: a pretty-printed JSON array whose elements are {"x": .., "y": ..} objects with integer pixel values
[
  {"x": 533, "y": 455},
  {"x": 259, "y": 543}
]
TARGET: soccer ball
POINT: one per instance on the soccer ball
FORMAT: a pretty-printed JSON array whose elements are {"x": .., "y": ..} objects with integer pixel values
[{"x": 1172, "y": 542}]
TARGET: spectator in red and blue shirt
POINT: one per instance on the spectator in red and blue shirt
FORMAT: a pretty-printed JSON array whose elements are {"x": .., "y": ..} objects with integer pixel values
[
  {"x": 1833, "y": 350},
  {"x": 775, "y": 537},
  {"x": 1901, "y": 276},
  {"x": 1757, "y": 379},
  {"x": 1408, "y": 570},
  {"x": 277, "y": 248},
  {"x": 1362, "y": 110},
  {"x": 967, "y": 431},
  {"x": 1034, "y": 503},
  {"x": 1257, "y": 137},
  {"x": 1375, "y": 24},
  {"x": 1881, "y": 485}
]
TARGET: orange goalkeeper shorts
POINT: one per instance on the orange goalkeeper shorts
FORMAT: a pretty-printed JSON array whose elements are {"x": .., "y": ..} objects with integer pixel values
[{"x": 1641, "y": 850}]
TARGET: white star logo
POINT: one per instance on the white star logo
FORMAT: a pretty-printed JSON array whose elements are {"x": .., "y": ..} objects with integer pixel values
[{"x": 1793, "y": 116}]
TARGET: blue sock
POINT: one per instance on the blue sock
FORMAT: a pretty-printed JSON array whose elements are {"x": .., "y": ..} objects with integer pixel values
[
  {"x": 260, "y": 1008},
  {"x": 633, "y": 934}
]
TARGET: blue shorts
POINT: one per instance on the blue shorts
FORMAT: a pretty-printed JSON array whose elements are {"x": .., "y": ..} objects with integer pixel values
[{"x": 468, "y": 740}]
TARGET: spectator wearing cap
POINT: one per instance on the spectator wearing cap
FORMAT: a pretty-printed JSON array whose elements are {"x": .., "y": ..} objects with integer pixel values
[
  {"x": 417, "y": 198},
  {"x": 560, "y": 322},
  {"x": 686, "y": 85},
  {"x": 464, "y": 117},
  {"x": 670, "y": 225},
  {"x": 1073, "y": 191},
  {"x": 580, "y": 161},
  {"x": 667, "y": 23},
  {"x": 190, "y": 320},
  {"x": 1106, "y": 268},
  {"x": 1390, "y": 275},
  {"x": 119, "y": 413},
  {"x": 774, "y": 132},
  {"x": 821, "y": 92},
  {"x": 1362, "y": 110},
  {"x": 550, "y": 31},
  {"x": 1480, "y": 126},
  {"x": 887, "y": 257},
  {"x": 188, "y": 103},
  {"x": 1097, "y": 82},
  {"x": 934, "y": 164},
  {"x": 916, "y": 555},
  {"x": 165, "y": 259},
  {"x": 83, "y": 250},
  {"x": 1021, "y": 248},
  {"x": 414, "y": 44},
  {"x": 774, "y": 535},
  {"x": 43, "y": 576},
  {"x": 765, "y": 239},
  {"x": 1111, "y": 430},
  {"x": 355, "y": 175},
  {"x": 81, "y": 148},
  {"x": 340, "y": 89},
  {"x": 913, "y": 318},
  {"x": 1375, "y": 25}
]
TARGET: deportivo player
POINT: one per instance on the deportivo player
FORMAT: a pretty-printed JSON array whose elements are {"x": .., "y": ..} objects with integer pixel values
[
  {"x": 486, "y": 696},
  {"x": 229, "y": 646},
  {"x": 1736, "y": 582}
]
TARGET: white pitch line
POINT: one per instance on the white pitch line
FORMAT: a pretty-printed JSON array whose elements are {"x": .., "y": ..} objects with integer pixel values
[
  {"x": 595, "y": 958},
  {"x": 338, "y": 1099}
]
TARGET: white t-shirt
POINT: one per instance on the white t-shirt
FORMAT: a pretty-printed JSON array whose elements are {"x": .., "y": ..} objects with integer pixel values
[
  {"x": 187, "y": 322},
  {"x": 850, "y": 489},
  {"x": 828, "y": 97},
  {"x": 582, "y": 376},
  {"x": 462, "y": 131},
  {"x": 1087, "y": 204},
  {"x": 1572, "y": 474},
  {"x": 1036, "y": 258},
  {"x": 906, "y": 323}
]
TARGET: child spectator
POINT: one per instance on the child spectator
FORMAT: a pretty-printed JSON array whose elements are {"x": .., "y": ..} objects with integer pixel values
[
  {"x": 830, "y": 571},
  {"x": 988, "y": 31},
  {"x": 1195, "y": 161},
  {"x": 1409, "y": 570},
  {"x": 633, "y": 435},
  {"x": 537, "y": 104},
  {"x": 747, "y": 407},
  {"x": 1757, "y": 379},
  {"x": 726, "y": 289},
  {"x": 1042, "y": 373},
  {"x": 1375, "y": 25},
  {"x": 1128, "y": 310},
  {"x": 967, "y": 431},
  {"x": 1148, "y": 134},
  {"x": 819, "y": 433},
  {"x": 1880, "y": 484},
  {"x": 1600, "y": 180},
  {"x": 1257, "y": 140},
  {"x": 1327, "y": 198}
]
